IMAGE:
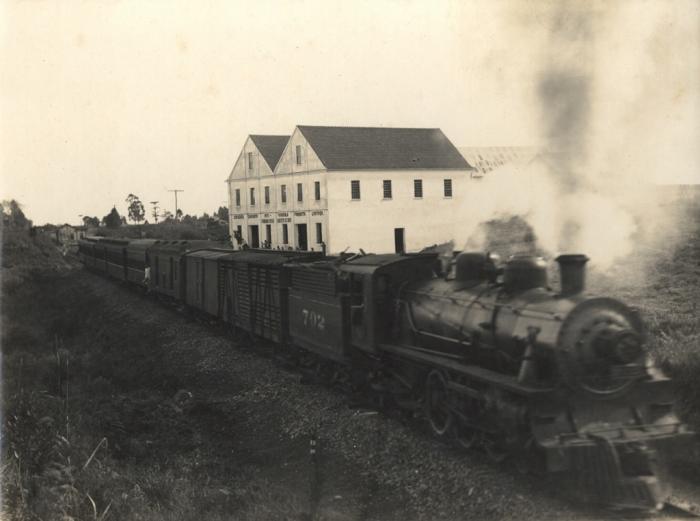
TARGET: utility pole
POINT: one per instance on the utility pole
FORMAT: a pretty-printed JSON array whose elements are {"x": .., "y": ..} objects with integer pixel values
[
  {"x": 155, "y": 210},
  {"x": 175, "y": 191}
]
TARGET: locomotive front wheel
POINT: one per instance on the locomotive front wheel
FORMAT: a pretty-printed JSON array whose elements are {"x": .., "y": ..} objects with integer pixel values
[{"x": 437, "y": 408}]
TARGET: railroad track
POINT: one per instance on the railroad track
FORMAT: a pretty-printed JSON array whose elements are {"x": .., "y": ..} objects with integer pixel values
[{"x": 679, "y": 511}]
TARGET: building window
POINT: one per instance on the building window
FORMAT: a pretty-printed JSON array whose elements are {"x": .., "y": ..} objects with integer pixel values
[
  {"x": 448, "y": 187},
  {"x": 387, "y": 188},
  {"x": 238, "y": 197},
  {"x": 268, "y": 234},
  {"x": 285, "y": 234},
  {"x": 317, "y": 190},
  {"x": 283, "y": 193},
  {"x": 355, "y": 190},
  {"x": 298, "y": 152},
  {"x": 300, "y": 192},
  {"x": 267, "y": 195},
  {"x": 418, "y": 188},
  {"x": 252, "y": 197},
  {"x": 319, "y": 233},
  {"x": 250, "y": 161}
]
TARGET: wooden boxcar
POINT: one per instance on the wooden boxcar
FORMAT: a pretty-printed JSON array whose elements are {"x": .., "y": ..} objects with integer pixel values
[
  {"x": 115, "y": 257},
  {"x": 203, "y": 289},
  {"x": 137, "y": 259},
  {"x": 168, "y": 268},
  {"x": 87, "y": 252},
  {"x": 256, "y": 285}
]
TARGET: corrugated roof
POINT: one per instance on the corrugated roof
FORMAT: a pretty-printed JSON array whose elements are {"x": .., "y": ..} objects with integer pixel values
[
  {"x": 368, "y": 148},
  {"x": 271, "y": 147},
  {"x": 486, "y": 159}
]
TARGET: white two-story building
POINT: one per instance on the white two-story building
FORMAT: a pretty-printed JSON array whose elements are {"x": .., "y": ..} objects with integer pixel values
[{"x": 336, "y": 188}]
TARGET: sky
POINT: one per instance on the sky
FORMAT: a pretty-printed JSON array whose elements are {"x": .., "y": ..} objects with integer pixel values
[{"x": 102, "y": 99}]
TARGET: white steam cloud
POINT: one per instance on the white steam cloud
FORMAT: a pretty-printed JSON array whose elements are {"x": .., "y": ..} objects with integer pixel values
[{"x": 617, "y": 105}]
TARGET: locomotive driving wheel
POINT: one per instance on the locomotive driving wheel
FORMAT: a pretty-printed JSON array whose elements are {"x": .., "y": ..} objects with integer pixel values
[
  {"x": 464, "y": 436},
  {"x": 494, "y": 447},
  {"x": 437, "y": 408}
]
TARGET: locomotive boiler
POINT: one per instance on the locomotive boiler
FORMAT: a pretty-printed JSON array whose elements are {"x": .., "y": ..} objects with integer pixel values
[{"x": 558, "y": 377}]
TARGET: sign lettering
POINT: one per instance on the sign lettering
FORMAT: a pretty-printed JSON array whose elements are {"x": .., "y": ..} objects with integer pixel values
[{"x": 313, "y": 320}]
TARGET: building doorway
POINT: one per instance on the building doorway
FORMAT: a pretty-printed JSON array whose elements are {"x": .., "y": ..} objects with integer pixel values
[
  {"x": 254, "y": 236},
  {"x": 302, "y": 239},
  {"x": 399, "y": 241}
]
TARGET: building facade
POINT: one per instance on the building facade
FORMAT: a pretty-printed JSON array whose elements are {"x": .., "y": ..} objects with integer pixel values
[{"x": 338, "y": 188}]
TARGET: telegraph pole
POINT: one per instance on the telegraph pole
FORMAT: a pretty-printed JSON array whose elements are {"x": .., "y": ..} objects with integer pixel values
[
  {"x": 175, "y": 191},
  {"x": 155, "y": 210}
]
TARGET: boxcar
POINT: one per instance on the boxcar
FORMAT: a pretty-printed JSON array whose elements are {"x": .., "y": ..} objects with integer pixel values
[
  {"x": 167, "y": 265},
  {"x": 87, "y": 252},
  {"x": 115, "y": 257},
  {"x": 203, "y": 290},
  {"x": 137, "y": 259},
  {"x": 256, "y": 285}
]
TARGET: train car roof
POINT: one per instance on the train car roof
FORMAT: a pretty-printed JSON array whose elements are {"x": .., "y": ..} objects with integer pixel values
[
  {"x": 181, "y": 246},
  {"x": 115, "y": 240},
  {"x": 209, "y": 253},
  {"x": 374, "y": 262},
  {"x": 271, "y": 257}
]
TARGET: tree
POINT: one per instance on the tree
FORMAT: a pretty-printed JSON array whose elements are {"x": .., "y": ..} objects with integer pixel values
[
  {"x": 178, "y": 214},
  {"x": 167, "y": 215},
  {"x": 12, "y": 214},
  {"x": 91, "y": 221},
  {"x": 222, "y": 213},
  {"x": 112, "y": 219},
  {"x": 136, "y": 210}
]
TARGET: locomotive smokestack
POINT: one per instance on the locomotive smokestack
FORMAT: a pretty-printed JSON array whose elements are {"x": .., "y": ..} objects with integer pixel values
[{"x": 572, "y": 272}]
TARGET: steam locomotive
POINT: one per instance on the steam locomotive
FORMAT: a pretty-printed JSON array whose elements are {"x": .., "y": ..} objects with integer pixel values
[{"x": 489, "y": 353}]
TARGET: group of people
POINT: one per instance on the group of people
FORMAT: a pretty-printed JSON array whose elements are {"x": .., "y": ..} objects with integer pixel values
[{"x": 267, "y": 245}]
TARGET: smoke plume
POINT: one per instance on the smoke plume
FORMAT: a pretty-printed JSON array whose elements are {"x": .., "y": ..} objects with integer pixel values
[{"x": 613, "y": 104}]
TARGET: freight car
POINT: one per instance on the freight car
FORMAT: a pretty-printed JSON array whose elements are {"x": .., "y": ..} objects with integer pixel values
[{"x": 491, "y": 354}]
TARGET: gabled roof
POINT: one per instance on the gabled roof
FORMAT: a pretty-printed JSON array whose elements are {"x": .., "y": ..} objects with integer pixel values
[
  {"x": 271, "y": 147},
  {"x": 368, "y": 148}
]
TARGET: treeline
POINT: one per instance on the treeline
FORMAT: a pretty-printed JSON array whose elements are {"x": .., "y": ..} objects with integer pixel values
[
  {"x": 164, "y": 225},
  {"x": 136, "y": 214}
]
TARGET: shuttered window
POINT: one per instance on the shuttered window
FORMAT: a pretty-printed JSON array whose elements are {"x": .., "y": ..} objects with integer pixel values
[
  {"x": 418, "y": 188},
  {"x": 355, "y": 190},
  {"x": 252, "y": 197},
  {"x": 386, "y": 185},
  {"x": 283, "y": 193},
  {"x": 317, "y": 190},
  {"x": 300, "y": 192},
  {"x": 298, "y": 152},
  {"x": 267, "y": 195},
  {"x": 238, "y": 197},
  {"x": 448, "y": 187}
]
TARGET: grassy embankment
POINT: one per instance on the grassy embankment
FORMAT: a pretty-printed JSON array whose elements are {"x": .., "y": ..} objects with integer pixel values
[{"x": 95, "y": 424}]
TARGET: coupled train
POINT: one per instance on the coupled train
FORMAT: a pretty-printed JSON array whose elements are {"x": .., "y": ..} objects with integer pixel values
[{"x": 490, "y": 353}]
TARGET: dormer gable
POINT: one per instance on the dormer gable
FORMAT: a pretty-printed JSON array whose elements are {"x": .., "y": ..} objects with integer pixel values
[{"x": 258, "y": 157}]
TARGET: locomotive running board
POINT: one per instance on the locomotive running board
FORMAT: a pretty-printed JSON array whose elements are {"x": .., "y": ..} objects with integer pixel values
[{"x": 471, "y": 371}]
